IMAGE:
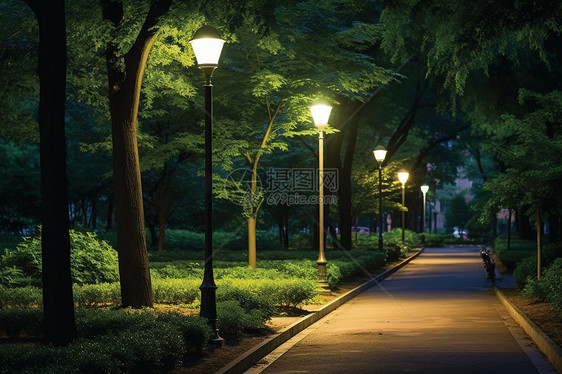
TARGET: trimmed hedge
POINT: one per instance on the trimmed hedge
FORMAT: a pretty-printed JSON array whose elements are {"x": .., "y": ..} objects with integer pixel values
[{"x": 117, "y": 341}]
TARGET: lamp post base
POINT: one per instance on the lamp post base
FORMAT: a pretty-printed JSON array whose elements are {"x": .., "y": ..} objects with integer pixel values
[
  {"x": 322, "y": 280},
  {"x": 215, "y": 340}
]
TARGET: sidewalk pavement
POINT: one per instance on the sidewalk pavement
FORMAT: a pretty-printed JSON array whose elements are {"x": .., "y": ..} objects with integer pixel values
[{"x": 436, "y": 315}]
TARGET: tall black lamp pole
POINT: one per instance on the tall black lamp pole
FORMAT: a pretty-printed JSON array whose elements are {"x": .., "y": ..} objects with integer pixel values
[{"x": 207, "y": 46}]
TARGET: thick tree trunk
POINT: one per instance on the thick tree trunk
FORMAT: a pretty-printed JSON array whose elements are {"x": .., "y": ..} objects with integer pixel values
[
  {"x": 58, "y": 306},
  {"x": 136, "y": 288},
  {"x": 125, "y": 72}
]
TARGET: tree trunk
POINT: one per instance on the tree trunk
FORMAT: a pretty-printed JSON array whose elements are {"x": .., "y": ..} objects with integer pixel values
[
  {"x": 252, "y": 242},
  {"x": 58, "y": 305},
  {"x": 125, "y": 72}
]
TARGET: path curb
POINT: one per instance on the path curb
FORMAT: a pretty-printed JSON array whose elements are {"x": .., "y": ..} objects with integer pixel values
[
  {"x": 545, "y": 344},
  {"x": 249, "y": 358}
]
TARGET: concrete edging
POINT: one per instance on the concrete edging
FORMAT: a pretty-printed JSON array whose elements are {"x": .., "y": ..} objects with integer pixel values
[
  {"x": 545, "y": 344},
  {"x": 248, "y": 359}
]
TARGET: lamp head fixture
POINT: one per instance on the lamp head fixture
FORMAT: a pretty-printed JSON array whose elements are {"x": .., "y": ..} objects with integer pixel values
[
  {"x": 207, "y": 45},
  {"x": 320, "y": 115},
  {"x": 403, "y": 177},
  {"x": 380, "y": 154}
]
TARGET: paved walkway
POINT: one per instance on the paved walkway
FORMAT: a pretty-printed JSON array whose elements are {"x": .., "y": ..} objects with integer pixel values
[{"x": 436, "y": 315}]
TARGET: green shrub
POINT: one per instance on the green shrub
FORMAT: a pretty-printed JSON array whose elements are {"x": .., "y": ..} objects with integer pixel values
[
  {"x": 93, "y": 295},
  {"x": 92, "y": 260},
  {"x": 20, "y": 296},
  {"x": 292, "y": 292},
  {"x": 177, "y": 269},
  {"x": 549, "y": 287},
  {"x": 392, "y": 251},
  {"x": 18, "y": 321},
  {"x": 249, "y": 293},
  {"x": 10, "y": 275},
  {"x": 156, "y": 347},
  {"x": 194, "y": 330},
  {"x": 234, "y": 319},
  {"x": 93, "y": 322},
  {"x": 434, "y": 240},
  {"x": 176, "y": 291},
  {"x": 527, "y": 268},
  {"x": 110, "y": 341}
]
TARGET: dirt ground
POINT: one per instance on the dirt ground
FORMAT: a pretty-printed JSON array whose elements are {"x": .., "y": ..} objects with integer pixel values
[{"x": 541, "y": 313}]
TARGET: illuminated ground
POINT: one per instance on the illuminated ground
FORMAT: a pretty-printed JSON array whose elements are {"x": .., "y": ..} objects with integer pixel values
[{"x": 436, "y": 315}]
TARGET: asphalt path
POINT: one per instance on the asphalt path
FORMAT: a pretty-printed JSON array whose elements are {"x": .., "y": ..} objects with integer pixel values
[{"x": 438, "y": 314}]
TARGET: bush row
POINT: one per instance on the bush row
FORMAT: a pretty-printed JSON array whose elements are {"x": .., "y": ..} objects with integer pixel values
[
  {"x": 109, "y": 341},
  {"x": 279, "y": 291},
  {"x": 549, "y": 287}
]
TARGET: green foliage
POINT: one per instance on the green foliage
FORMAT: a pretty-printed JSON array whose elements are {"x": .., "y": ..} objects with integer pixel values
[
  {"x": 251, "y": 294},
  {"x": 458, "y": 213},
  {"x": 525, "y": 269},
  {"x": 519, "y": 249},
  {"x": 93, "y": 295},
  {"x": 20, "y": 296},
  {"x": 293, "y": 292},
  {"x": 17, "y": 321},
  {"x": 109, "y": 341},
  {"x": 176, "y": 291},
  {"x": 549, "y": 286},
  {"x": 434, "y": 240},
  {"x": 234, "y": 319},
  {"x": 92, "y": 260}
]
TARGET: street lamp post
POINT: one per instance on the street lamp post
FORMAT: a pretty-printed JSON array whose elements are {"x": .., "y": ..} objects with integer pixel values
[
  {"x": 207, "y": 46},
  {"x": 403, "y": 177},
  {"x": 320, "y": 115},
  {"x": 424, "y": 190},
  {"x": 380, "y": 155}
]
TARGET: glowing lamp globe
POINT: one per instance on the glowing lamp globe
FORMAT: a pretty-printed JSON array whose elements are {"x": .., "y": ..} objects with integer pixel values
[
  {"x": 380, "y": 153},
  {"x": 320, "y": 115},
  {"x": 403, "y": 176}
]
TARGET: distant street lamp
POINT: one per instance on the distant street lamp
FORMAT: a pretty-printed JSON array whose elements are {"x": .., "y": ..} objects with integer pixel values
[
  {"x": 380, "y": 155},
  {"x": 403, "y": 177},
  {"x": 320, "y": 115},
  {"x": 207, "y": 46},
  {"x": 424, "y": 190}
]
